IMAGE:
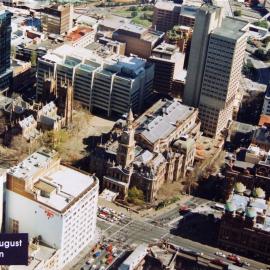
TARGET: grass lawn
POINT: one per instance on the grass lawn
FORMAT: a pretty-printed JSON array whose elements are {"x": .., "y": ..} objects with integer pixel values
[
  {"x": 145, "y": 23},
  {"x": 136, "y": 20}
]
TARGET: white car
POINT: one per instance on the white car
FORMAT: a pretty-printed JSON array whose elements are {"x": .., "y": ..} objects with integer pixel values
[{"x": 220, "y": 254}]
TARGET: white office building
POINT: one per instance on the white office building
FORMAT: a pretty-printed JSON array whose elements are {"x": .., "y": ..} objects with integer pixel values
[
  {"x": 53, "y": 203},
  {"x": 101, "y": 80}
]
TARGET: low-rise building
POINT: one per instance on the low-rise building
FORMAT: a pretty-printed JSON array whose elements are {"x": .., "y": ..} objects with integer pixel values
[
  {"x": 135, "y": 259},
  {"x": 81, "y": 36},
  {"x": 53, "y": 203},
  {"x": 245, "y": 226},
  {"x": 139, "y": 41},
  {"x": 156, "y": 148}
]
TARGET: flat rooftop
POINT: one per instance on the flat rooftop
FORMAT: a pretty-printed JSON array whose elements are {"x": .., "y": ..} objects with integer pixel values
[
  {"x": 167, "y": 5},
  {"x": 55, "y": 185},
  {"x": 231, "y": 28}
]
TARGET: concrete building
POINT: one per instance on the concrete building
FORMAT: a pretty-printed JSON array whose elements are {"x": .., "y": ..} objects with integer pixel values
[
  {"x": 215, "y": 63},
  {"x": 53, "y": 203},
  {"x": 5, "y": 48},
  {"x": 81, "y": 36},
  {"x": 187, "y": 15},
  {"x": 101, "y": 80},
  {"x": 139, "y": 41},
  {"x": 167, "y": 60},
  {"x": 207, "y": 19},
  {"x": 57, "y": 19},
  {"x": 166, "y": 15},
  {"x": 135, "y": 259},
  {"x": 157, "y": 147}
]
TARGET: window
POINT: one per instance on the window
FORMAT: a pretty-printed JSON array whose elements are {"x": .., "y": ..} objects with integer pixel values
[{"x": 14, "y": 225}]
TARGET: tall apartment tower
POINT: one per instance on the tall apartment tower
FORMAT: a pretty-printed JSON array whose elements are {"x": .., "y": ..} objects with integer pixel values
[
  {"x": 5, "y": 45},
  {"x": 207, "y": 18},
  {"x": 215, "y": 63}
]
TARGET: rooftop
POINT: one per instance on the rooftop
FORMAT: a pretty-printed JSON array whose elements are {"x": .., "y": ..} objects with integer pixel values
[
  {"x": 167, "y": 5},
  {"x": 37, "y": 255},
  {"x": 251, "y": 207},
  {"x": 135, "y": 257},
  {"x": 231, "y": 28},
  {"x": 163, "y": 119},
  {"x": 55, "y": 185},
  {"x": 78, "y": 33}
]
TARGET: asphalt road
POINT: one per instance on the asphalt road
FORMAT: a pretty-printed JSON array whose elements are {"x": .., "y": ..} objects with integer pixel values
[
  {"x": 137, "y": 232},
  {"x": 143, "y": 231}
]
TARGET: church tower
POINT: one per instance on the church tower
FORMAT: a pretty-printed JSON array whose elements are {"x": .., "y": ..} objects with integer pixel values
[
  {"x": 126, "y": 147},
  {"x": 65, "y": 101},
  {"x": 49, "y": 89}
]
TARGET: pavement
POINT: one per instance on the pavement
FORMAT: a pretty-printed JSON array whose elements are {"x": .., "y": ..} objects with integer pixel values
[{"x": 142, "y": 230}]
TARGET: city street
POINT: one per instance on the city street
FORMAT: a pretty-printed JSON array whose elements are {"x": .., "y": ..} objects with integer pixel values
[{"x": 144, "y": 231}]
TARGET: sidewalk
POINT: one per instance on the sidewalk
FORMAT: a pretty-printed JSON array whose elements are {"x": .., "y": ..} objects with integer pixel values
[{"x": 144, "y": 214}]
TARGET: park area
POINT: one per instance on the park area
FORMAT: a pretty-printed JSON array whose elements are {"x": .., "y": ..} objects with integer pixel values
[{"x": 139, "y": 15}]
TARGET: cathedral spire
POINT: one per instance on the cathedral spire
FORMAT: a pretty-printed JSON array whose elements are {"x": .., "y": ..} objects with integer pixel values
[{"x": 130, "y": 118}]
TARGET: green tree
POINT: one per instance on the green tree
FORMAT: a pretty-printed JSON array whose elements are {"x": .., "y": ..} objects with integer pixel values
[
  {"x": 248, "y": 69},
  {"x": 135, "y": 196},
  {"x": 134, "y": 14},
  {"x": 260, "y": 53},
  {"x": 33, "y": 58},
  {"x": 132, "y": 8},
  {"x": 262, "y": 23},
  {"x": 237, "y": 13}
]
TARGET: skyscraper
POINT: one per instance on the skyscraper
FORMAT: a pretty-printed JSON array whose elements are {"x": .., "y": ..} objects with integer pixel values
[
  {"x": 5, "y": 45},
  {"x": 216, "y": 58},
  {"x": 207, "y": 19}
]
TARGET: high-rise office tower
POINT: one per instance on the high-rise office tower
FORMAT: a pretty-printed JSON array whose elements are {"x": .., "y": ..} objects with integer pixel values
[
  {"x": 207, "y": 19},
  {"x": 216, "y": 58},
  {"x": 5, "y": 45}
]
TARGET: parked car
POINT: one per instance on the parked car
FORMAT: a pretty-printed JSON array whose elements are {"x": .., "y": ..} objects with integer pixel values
[
  {"x": 219, "y": 262},
  {"x": 220, "y": 254},
  {"x": 234, "y": 258}
]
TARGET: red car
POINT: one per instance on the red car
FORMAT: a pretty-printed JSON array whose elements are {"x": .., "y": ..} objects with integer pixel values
[
  {"x": 219, "y": 262},
  {"x": 233, "y": 258},
  {"x": 184, "y": 209}
]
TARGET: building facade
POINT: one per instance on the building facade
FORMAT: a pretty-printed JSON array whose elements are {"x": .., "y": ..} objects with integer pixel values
[
  {"x": 53, "y": 203},
  {"x": 5, "y": 49},
  {"x": 166, "y": 58},
  {"x": 166, "y": 15},
  {"x": 245, "y": 228},
  {"x": 139, "y": 41},
  {"x": 57, "y": 19},
  {"x": 106, "y": 83},
  {"x": 213, "y": 77},
  {"x": 156, "y": 148}
]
